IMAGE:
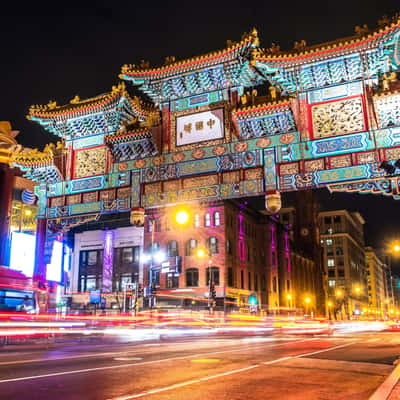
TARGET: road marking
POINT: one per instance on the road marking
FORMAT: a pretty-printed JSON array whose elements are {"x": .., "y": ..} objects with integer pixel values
[
  {"x": 207, "y": 378},
  {"x": 186, "y": 383},
  {"x": 128, "y": 358},
  {"x": 205, "y": 360},
  {"x": 322, "y": 351},
  {"x": 79, "y": 371}
]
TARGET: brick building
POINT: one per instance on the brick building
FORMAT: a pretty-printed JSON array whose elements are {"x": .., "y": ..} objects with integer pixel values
[
  {"x": 307, "y": 277},
  {"x": 242, "y": 257}
]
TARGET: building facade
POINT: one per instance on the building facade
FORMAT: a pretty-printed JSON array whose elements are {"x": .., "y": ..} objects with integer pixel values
[
  {"x": 245, "y": 254},
  {"x": 307, "y": 274},
  {"x": 342, "y": 239},
  {"x": 378, "y": 294}
]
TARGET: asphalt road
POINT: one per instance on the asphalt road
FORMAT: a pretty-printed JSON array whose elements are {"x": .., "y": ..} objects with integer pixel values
[{"x": 226, "y": 368}]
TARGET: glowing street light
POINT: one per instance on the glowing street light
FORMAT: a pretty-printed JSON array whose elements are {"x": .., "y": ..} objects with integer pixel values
[
  {"x": 307, "y": 300},
  {"x": 201, "y": 253},
  {"x": 396, "y": 248},
  {"x": 182, "y": 217},
  {"x": 338, "y": 293}
]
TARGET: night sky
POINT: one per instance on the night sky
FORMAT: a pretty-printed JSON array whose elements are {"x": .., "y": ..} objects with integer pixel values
[{"x": 57, "y": 50}]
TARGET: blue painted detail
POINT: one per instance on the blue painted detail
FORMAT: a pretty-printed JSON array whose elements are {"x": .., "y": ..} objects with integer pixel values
[
  {"x": 89, "y": 141},
  {"x": 87, "y": 184},
  {"x": 335, "y": 92},
  {"x": 340, "y": 145}
]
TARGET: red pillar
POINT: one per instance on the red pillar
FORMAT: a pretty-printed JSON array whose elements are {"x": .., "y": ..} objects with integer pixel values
[
  {"x": 6, "y": 190},
  {"x": 39, "y": 272}
]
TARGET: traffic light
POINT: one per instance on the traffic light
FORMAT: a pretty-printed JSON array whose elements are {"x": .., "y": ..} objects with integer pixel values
[
  {"x": 178, "y": 264},
  {"x": 253, "y": 300},
  {"x": 153, "y": 289},
  {"x": 213, "y": 293}
]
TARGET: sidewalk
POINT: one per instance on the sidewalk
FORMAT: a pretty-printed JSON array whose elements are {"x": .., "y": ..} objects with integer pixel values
[{"x": 390, "y": 388}]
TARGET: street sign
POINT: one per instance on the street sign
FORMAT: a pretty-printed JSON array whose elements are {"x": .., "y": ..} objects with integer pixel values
[
  {"x": 129, "y": 285},
  {"x": 95, "y": 297}
]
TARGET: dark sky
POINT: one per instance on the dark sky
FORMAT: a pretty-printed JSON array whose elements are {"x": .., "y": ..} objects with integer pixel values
[{"x": 53, "y": 51}]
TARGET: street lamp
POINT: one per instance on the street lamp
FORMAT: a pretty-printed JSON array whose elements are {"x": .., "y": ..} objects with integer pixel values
[
  {"x": 307, "y": 302},
  {"x": 201, "y": 253},
  {"x": 329, "y": 304}
]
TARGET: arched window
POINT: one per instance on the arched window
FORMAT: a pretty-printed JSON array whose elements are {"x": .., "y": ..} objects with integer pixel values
[
  {"x": 212, "y": 273},
  {"x": 191, "y": 245},
  {"x": 213, "y": 245},
  {"x": 192, "y": 277},
  {"x": 196, "y": 220},
  {"x": 172, "y": 248},
  {"x": 207, "y": 219},
  {"x": 217, "y": 218}
]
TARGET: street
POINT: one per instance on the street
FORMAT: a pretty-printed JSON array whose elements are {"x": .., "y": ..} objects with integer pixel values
[{"x": 348, "y": 366}]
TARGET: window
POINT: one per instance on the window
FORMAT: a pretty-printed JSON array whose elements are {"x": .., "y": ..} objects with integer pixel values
[
  {"x": 331, "y": 273},
  {"x": 274, "y": 285},
  {"x": 172, "y": 248},
  {"x": 228, "y": 247},
  {"x": 213, "y": 245},
  {"x": 329, "y": 242},
  {"x": 217, "y": 218},
  {"x": 341, "y": 273},
  {"x": 327, "y": 220},
  {"x": 156, "y": 277},
  {"x": 192, "y": 277},
  {"x": 230, "y": 277},
  {"x": 197, "y": 220},
  {"x": 330, "y": 231},
  {"x": 256, "y": 282},
  {"x": 337, "y": 219},
  {"x": 263, "y": 283},
  {"x": 288, "y": 285},
  {"x": 207, "y": 219},
  {"x": 242, "y": 279},
  {"x": 191, "y": 245},
  {"x": 331, "y": 283},
  {"x": 127, "y": 255},
  {"x": 214, "y": 275},
  {"x": 249, "y": 280},
  {"x": 329, "y": 251},
  {"x": 91, "y": 257},
  {"x": 331, "y": 262},
  {"x": 149, "y": 225},
  {"x": 339, "y": 251},
  {"x": 172, "y": 281}
]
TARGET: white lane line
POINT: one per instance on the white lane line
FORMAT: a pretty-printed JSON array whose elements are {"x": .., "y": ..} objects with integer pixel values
[
  {"x": 79, "y": 371},
  {"x": 322, "y": 351},
  {"x": 207, "y": 378},
  {"x": 186, "y": 383}
]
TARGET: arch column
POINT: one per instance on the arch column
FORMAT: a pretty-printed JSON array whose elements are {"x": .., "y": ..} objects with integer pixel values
[{"x": 6, "y": 190}]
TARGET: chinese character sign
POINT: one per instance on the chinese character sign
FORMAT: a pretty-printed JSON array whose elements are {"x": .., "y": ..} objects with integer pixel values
[{"x": 200, "y": 127}]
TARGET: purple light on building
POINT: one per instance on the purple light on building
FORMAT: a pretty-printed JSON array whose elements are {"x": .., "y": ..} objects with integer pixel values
[
  {"x": 108, "y": 261},
  {"x": 287, "y": 250}
]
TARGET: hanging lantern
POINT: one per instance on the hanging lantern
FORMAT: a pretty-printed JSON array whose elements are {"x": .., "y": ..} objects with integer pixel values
[
  {"x": 137, "y": 216},
  {"x": 273, "y": 202}
]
